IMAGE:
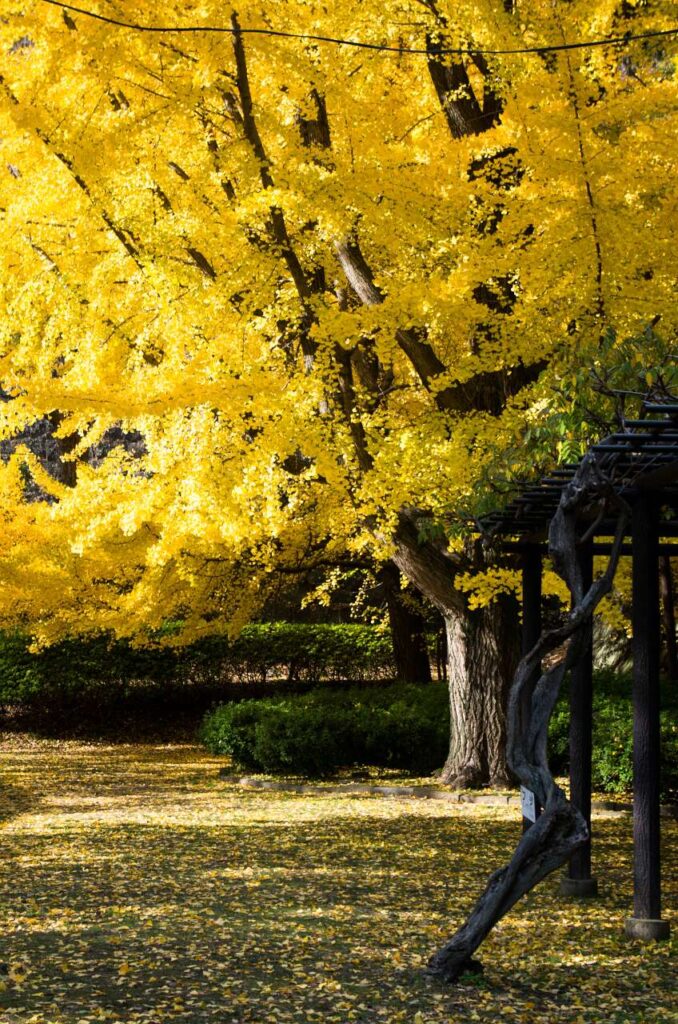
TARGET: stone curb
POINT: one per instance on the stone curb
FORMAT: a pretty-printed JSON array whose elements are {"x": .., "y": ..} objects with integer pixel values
[{"x": 419, "y": 792}]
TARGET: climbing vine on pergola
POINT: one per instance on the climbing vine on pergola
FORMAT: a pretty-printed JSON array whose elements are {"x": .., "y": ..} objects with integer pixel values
[{"x": 625, "y": 485}]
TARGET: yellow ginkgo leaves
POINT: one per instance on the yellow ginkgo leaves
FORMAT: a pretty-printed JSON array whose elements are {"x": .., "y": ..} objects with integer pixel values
[
  {"x": 125, "y": 896},
  {"x": 284, "y": 291}
]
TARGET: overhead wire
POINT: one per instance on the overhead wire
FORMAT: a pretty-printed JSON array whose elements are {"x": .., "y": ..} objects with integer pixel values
[{"x": 356, "y": 43}]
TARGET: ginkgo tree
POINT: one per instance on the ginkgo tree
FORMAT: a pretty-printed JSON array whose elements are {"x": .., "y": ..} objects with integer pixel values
[{"x": 334, "y": 289}]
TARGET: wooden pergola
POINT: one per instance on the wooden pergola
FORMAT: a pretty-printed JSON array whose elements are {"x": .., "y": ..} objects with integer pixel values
[{"x": 641, "y": 461}]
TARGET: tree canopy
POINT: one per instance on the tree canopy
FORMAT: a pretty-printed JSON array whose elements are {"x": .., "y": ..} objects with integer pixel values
[{"x": 282, "y": 297}]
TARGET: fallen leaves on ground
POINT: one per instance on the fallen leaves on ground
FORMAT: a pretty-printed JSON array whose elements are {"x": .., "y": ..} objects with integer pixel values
[{"x": 136, "y": 886}]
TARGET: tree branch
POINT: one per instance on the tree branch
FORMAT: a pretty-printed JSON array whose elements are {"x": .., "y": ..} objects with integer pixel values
[{"x": 484, "y": 392}]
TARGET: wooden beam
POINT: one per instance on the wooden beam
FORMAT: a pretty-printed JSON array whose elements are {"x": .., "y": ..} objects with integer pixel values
[
  {"x": 669, "y": 548},
  {"x": 668, "y": 615}
]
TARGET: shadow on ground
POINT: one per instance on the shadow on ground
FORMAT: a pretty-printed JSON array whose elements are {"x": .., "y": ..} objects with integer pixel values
[{"x": 139, "y": 887}]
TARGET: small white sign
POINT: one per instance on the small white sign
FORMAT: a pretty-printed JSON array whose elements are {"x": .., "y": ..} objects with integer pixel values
[{"x": 528, "y": 804}]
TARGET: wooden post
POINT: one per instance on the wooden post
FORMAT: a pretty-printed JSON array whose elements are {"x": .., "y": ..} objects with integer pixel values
[
  {"x": 532, "y": 568},
  {"x": 578, "y": 881},
  {"x": 646, "y": 922}
]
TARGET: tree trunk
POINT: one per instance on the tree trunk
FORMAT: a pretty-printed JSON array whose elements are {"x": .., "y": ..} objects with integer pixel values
[
  {"x": 482, "y": 653},
  {"x": 408, "y": 630}
]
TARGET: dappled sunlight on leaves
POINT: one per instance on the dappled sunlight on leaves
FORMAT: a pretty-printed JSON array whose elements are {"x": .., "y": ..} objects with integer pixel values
[{"x": 138, "y": 886}]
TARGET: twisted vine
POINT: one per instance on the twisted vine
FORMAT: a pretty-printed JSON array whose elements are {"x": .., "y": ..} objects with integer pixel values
[{"x": 560, "y": 829}]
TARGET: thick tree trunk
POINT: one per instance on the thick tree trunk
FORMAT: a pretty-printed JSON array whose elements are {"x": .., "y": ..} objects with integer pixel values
[
  {"x": 482, "y": 653},
  {"x": 408, "y": 630},
  {"x": 482, "y": 649}
]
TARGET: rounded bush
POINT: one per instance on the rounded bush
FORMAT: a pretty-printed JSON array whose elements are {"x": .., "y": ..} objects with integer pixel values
[{"x": 400, "y": 726}]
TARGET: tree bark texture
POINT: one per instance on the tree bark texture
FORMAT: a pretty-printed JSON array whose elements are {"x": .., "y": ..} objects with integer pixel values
[
  {"x": 561, "y": 829},
  {"x": 482, "y": 646},
  {"x": 482, "y": 653}
]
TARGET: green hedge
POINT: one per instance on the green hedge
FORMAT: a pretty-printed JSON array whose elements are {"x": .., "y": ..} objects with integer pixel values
[
  {"x": 262, "y": 653},
  {"x": 407, "y": 727},
  {"x": 612, "y": 763},
  {"x": 77, "y": 666},
  {"x": 298, "y": 652},
  {"x": 399, "y": 726}
]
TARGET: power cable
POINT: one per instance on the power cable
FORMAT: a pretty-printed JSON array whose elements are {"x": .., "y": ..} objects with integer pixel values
[{"x": 356, "y": 44}]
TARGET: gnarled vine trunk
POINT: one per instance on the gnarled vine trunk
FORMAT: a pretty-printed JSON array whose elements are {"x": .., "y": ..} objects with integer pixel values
[{"x": 560, "y": 829}]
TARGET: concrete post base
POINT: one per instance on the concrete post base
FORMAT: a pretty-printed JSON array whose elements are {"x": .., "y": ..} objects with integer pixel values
[
  {"x": 647, "y": 929},
  {"x": 584, "y": 888}
]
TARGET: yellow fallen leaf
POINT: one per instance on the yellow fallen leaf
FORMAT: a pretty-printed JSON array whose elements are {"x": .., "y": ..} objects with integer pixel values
[{"x": 17, "y": 972}]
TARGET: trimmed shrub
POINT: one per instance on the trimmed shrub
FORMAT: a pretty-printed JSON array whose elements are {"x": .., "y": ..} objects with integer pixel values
[
  {"x": 612, "y": 762},
  {"x": 399, "y": 726},
  {"x": 296, "y": 652},
  {"x": 75, "y": 666},
  {"x": 97, "y": 686},
  {"x": 406, "y": 726},
  {"x": 263, "y": 653}
]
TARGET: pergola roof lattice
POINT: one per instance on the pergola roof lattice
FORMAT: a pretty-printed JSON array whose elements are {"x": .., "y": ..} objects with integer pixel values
[{"x": 641, "y": 456}]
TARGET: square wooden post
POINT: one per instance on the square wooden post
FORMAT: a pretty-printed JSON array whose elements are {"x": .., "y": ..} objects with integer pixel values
[
  {"x": 646, "y": 922},
  {"x": 532, "y": 569},
  {"x": 578, "y": 880}
]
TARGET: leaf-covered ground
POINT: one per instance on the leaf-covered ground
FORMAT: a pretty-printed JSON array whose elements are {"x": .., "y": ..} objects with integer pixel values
[{"x": 136, "y": 886}]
